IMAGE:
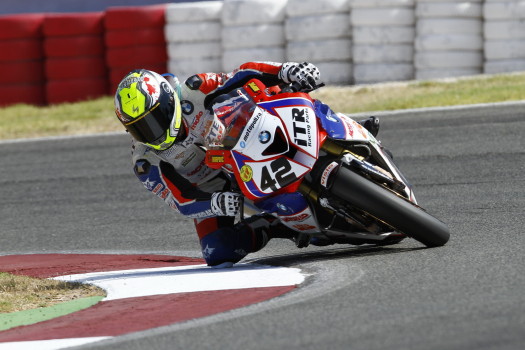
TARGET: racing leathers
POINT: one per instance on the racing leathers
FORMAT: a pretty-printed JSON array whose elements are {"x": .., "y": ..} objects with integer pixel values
[{"x": 180, "y": 177}]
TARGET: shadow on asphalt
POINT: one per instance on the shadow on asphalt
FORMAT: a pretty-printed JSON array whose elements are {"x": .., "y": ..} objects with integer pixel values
[{"x": 332, "y": 254}]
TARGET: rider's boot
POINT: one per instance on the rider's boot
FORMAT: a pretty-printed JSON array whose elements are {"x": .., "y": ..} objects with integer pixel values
[{"x": 371, "y": 124}]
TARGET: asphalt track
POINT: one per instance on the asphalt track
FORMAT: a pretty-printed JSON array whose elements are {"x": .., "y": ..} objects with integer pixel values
[{"x": 78, "y": 195}]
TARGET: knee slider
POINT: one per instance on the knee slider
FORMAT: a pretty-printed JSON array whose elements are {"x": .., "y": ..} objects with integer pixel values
[{"x": 222, "y": 246}]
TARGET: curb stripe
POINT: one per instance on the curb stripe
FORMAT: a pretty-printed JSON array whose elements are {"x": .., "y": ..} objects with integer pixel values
[
  {"x": 52, "y": 265},
  {"x": 173, "y": 289},
  {"x": 117, "y": 317}
]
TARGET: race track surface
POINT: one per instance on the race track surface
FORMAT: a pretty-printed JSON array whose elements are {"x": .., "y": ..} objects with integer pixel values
[{"x": 79, "y": 195}]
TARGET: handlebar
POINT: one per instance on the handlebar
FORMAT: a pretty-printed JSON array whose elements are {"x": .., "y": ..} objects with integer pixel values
[{"x": 296, "y": 86}]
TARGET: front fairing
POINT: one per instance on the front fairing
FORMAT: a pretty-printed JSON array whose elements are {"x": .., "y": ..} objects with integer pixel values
[
  {"x": 338, "y": 126},
  {"x": 269, "y": 146},
  {"x": 343, "y": 128}
]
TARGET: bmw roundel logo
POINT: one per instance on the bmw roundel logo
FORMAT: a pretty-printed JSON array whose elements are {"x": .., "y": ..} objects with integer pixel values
[
  {"x": 243, "y": 144},
  {"x": 264, "y": 137},
  {"x": 187, "y": 107}
]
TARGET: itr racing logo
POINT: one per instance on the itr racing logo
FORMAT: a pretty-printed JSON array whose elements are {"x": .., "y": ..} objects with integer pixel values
[{"x": 301, "y": 127}]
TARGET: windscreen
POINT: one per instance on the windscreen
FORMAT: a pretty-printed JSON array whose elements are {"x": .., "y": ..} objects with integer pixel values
[{"x": 233, "y": 110}]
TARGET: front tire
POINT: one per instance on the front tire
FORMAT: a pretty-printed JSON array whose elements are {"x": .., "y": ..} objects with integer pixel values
[{"x": 386, "y": 206}]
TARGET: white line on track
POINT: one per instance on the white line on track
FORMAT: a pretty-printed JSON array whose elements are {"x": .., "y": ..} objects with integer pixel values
[
  {"x": 184, "y": 279},
  {"x": 53, "y": 344}
]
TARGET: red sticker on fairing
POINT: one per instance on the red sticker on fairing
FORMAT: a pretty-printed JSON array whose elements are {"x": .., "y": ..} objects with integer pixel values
[{"x": 326, "y": 173}]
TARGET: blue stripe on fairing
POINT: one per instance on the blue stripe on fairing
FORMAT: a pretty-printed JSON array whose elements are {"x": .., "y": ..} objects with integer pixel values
[
  {"x": 240, "y": 160},
  {"x": 330, "y": 121},
  {"x": 286, "y": 102},
  {"x": 284, "y": 204}
]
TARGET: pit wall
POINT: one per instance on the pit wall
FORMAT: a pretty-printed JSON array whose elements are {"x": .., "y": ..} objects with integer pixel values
[{"x": 52, "y": 58}]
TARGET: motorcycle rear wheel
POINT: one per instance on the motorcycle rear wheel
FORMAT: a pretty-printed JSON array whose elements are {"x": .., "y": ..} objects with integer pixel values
[{"x": 389, "y": 208}]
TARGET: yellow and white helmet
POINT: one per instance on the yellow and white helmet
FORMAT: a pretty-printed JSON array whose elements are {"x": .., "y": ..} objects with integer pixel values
[{"x": 149, "y": 108}]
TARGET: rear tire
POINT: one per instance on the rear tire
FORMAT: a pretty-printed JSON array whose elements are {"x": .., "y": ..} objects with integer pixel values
[{"x": 393, "y": 210}]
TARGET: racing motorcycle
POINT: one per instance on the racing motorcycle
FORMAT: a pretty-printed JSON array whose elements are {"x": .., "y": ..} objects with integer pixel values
[{"x": 320, "y": 173}]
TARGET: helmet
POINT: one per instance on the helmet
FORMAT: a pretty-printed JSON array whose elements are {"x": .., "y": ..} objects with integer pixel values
[{"x": 149, "y": 108}]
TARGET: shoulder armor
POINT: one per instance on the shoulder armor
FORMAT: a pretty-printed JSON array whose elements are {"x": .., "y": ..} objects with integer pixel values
[{"x": 194, "y": 82}]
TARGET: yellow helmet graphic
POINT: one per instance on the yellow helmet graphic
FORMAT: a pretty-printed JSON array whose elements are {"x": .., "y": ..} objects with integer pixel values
[{"x": 149, "y": 108}]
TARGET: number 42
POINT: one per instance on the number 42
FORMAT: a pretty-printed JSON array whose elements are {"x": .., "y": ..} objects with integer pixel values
[{"x": 282, "y": 175}]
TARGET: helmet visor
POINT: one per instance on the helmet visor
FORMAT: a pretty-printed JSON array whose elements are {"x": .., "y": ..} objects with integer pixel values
[{"x": 153, "y": 126}]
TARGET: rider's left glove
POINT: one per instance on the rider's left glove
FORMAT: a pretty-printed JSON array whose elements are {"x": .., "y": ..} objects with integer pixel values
[
  {"x": 226, "y": 203},
  {"x": 306, "y": 74}
]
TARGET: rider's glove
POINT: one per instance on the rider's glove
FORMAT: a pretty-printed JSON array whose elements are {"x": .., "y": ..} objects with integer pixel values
[
  {"x": 306, "y": 74},
  {"x": 226, "y": 203}
]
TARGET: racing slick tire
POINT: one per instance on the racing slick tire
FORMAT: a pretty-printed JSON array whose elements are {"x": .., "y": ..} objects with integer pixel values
[{"x": 390, "y": 208}]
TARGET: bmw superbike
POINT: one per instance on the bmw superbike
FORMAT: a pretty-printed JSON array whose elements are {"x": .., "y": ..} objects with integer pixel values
[{"x": 320, "y": 173}]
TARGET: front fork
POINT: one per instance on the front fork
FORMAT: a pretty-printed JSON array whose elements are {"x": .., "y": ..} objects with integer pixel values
[{"x": 318, "y": 190}]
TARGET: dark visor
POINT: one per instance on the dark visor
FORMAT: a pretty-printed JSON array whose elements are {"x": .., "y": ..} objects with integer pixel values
[{"x": 153, "y": 125}]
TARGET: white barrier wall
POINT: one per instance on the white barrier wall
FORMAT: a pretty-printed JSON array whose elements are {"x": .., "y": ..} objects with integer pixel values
[
  {"x": 449, "y": 39},
  {"x": 504, "y": 31},
  {"x": 252, "y": 30},
  {"x": 193, "y": 35},
  {"x": 319, "y": 32},
  {"x": 351, "y": 41},
  {"x": 383, "y": 40}
]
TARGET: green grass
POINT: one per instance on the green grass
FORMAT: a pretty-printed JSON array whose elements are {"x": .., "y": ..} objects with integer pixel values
[
  {"x": 24, "y": 121},
  {"x": 18, "y": 293},
  {"x": 95, "y": 116},
  {"x": 479, "y": 89}
]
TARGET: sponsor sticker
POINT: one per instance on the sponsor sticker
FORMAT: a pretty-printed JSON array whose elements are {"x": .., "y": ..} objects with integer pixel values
[
  {"x": 254, "y": 87},
  {"x": 302, "y": 134},
  {"x": 217, "y": 159},
  {"x": 246, "y": 173},
  {"x": 250, "y": 127},
  {"x": 304, "y": 227},
  {"x": 300, "y": 217},
  {"x": 326, "y": 173}
]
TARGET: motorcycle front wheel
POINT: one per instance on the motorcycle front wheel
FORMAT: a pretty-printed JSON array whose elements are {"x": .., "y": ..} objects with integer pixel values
[{"x": 391, "y": 209}]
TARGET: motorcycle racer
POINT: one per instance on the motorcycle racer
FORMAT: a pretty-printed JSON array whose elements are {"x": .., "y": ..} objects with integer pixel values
[{"x": 171, "y": 126}]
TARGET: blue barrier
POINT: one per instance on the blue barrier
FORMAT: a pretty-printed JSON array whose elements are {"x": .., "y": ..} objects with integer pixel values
[{"x": 64, "y": 6}]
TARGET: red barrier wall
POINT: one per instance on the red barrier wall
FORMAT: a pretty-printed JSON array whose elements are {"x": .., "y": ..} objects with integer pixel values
[
  {"x": 134, "y": 38},
  {"x": 55, "y": 58},
  {"x": 22, "y": 60},
  {"x": 75, "y": 64}
]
